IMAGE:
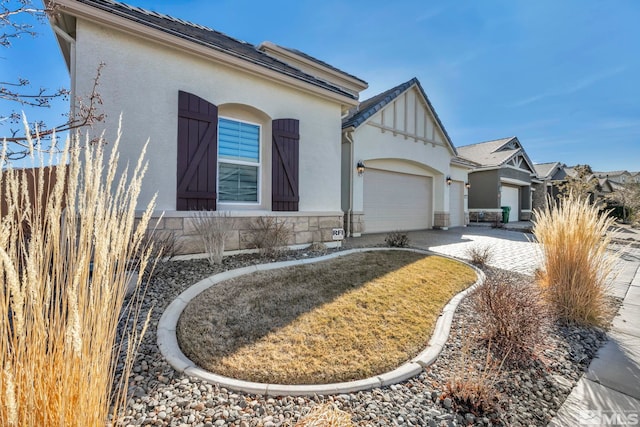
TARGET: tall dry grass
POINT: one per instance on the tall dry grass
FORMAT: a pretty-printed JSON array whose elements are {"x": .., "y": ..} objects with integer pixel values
[
  {"x": 576, "y": 263},
  {"x": 64, "y": 265}
]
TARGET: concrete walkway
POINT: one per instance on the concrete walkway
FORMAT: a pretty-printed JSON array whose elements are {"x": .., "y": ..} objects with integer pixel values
[{"x": 609, "y": 392}]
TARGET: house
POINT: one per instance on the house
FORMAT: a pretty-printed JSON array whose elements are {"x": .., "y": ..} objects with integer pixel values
[
  {"x": 252, "y": 131},
  {"x": 503, "y": 178},
  {"x": 547, "y": 185},
  {"x": 400, "y": 169},
  {"x": 619, "y": 177}
]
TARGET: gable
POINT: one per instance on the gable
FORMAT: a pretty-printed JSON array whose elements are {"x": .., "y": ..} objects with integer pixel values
[
  {"x": 409, "y": 115},
  {"x": 513, "y": 144},
  {"x": 520, "y": 162}
]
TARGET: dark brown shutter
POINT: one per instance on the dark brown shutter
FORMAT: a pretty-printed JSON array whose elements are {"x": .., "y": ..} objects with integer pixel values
[
  {"x": 284, "y": 172},
  {"x": 197, "y": 153}
]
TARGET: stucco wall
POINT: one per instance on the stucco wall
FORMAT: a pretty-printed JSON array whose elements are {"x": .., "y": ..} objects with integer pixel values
[
  {"x": 141, "y": 80},
  {"x": 520, "y": 175},
  {"x": 483, "y": 193},
  {"x": 385, "y": 151}
]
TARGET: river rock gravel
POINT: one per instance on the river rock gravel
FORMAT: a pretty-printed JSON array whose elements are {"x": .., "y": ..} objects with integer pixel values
[{"x": 526, "y": 396}]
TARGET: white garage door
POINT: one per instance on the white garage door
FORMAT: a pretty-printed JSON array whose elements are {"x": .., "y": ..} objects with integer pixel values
[
  {"x": 456, "y": 204},
  {"x": 396, "y": 201},
  {"x": 511, "y": 197}
]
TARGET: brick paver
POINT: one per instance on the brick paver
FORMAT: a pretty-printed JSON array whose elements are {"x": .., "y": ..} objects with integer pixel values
[{"x": 511, "y": 250}]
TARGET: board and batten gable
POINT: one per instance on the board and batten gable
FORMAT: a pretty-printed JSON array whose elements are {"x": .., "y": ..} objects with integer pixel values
[
  {"x": 404, "y": 136},
  {"x": 141, "y": 80}
]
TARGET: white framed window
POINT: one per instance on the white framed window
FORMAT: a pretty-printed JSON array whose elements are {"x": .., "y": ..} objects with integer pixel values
[{"x": 238, "y": 161}]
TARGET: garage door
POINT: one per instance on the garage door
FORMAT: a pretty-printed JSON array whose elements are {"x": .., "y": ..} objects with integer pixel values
[
  {"x": 456, "y": 204},
  {"x": 396, "y": 201},
  {"x": 511, "y": 197}
]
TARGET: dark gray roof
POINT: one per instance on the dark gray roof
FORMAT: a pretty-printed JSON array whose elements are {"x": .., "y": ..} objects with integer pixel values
[
  {"x": 318, "y": 61},
  {"x": 371, "y": 106},
  {"x": 210, "y": 38}
]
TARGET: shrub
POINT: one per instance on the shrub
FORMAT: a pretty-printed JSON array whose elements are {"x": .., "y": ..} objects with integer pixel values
[
  {"x": 474, "y": 390},
  {"x": 397, "y": 239},
  {"x": 479, "y": 255},
  {"x": 269, "y": 235},
  {"x": 62, "y": 289},
  {"x": 317, "y": 247},
  {"x": 576, "y": 266},
  {"x": 162, "y": 243},
  {"x": 325, "y": 415},
  {"x": 213, "y": 227},
  {"x": 512, "y": 315}
]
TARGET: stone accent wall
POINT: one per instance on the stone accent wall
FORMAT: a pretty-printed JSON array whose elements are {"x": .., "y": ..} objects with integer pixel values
[
  {"x": 485, "y": 216},
  {"x": 525, "y": 215},
  {"x": 357, "y": 224},
  {"x": 539, "y": 195},
  {"x": 441, "y": 220},
  {"x": 304, "y": 230}
]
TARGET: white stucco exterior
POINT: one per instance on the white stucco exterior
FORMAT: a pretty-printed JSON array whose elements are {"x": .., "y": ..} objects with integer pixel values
[
  {"x": 140, "y": 81},
  {"x": 405, "y": 137}
]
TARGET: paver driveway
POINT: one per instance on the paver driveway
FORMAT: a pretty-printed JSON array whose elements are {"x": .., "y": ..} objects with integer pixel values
[{"x": 511, "y": 250}]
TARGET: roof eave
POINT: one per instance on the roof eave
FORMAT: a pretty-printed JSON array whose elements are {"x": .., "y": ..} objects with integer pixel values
[
  {"x": 358, "y": 84},
  {"x": 89, "y": 13}
]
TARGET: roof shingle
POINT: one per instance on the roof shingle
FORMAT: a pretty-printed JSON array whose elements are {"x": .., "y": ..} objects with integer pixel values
[
  {"x": 210, "y": 38},
  {"x": 488, "y": 153}
]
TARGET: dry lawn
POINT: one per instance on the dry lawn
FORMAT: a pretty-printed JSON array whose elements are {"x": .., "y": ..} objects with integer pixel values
[{"x": 339, "y": 320}]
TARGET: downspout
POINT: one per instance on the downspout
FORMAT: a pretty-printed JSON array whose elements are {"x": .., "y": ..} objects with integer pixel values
[
  {"x": 348, "y": 137},
  {"x": 72, "y": 66}
]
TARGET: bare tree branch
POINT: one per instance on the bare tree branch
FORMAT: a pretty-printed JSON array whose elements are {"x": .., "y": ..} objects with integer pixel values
[
  {"x": 12, "y": 29},
  {"x": 85, "y": 113}
]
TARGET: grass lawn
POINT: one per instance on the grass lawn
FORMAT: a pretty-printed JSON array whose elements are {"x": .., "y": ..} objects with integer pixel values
[{"x": 345, "y": 319}]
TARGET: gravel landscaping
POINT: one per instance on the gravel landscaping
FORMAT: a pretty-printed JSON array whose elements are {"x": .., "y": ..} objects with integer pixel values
[{"x": 527, "y": 395}]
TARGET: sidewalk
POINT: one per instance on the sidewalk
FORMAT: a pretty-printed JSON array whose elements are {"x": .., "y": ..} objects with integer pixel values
[{"x": 609, "y": 392}]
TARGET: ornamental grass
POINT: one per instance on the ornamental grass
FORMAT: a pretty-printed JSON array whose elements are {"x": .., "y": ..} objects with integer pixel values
[
  {"x": 576, "y": 263},
  {"x": 65, "y": 259},
  {"x": 325, "y": 415}
]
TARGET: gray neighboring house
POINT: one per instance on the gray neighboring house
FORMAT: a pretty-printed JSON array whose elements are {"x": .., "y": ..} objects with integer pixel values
[
  {"x": 504, "y": 178},
  {"x": 619, "y": 177},
  {"x": 549, "y": 177}
]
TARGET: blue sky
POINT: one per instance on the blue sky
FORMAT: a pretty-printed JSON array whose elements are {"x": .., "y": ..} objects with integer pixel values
[{"x": 562, "y": 76}]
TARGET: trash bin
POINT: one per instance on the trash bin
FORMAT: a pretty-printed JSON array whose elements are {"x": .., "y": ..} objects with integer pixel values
[{"x": 505, "y": 213}]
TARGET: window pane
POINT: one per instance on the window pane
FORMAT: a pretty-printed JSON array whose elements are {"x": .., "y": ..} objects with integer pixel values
[
  {"x": 237, "y": 183},
  {"x": 238, "y": 141}
]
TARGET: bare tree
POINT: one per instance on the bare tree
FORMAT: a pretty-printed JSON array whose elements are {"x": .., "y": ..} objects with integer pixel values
[
  {"x": 627, "y": 196},
  {"x": 13, "y": 26},
  {"x": 582, "y": 183}
]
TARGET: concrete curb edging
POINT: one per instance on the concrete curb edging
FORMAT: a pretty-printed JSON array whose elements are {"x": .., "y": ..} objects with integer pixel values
[{"x": 168, "y": 342}]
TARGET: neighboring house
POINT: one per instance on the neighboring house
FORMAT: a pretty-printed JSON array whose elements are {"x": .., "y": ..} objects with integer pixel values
[
  {"x": 503, "y": 178},
  {"x": 232, "y": 127},
  {"x": 400, "y": 170},
  {"x": 549, "y": 176},
  {"x": 620, "y": 177}
]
